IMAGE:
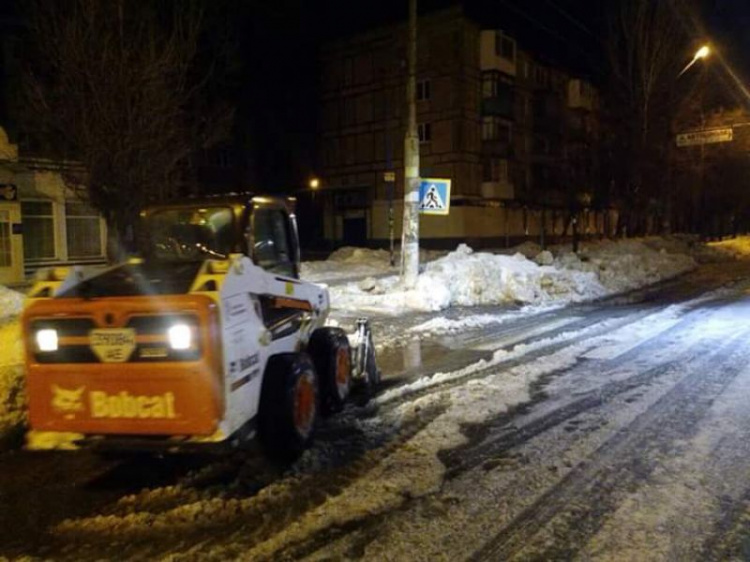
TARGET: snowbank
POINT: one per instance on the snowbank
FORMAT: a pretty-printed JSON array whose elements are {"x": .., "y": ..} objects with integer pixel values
[
  {"x": 12, "y": 397},
  {"x": 468, "y": 278},
  {"x": 350, "y": 262},
  {"x": 736, "y": 248},
  {"x": 11, "y": 303}
]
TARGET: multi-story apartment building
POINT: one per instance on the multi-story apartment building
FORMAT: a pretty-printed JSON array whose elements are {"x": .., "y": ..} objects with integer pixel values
[{"x": 508, "y": 129}]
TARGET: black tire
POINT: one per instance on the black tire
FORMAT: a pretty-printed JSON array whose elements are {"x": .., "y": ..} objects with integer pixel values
[
  {"x": 330, "y": 351},
  {"x": 288, "y": 411}
]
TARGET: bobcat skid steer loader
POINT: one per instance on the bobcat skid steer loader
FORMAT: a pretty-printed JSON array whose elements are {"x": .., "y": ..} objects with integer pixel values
[{"x": 205, "y": 340}]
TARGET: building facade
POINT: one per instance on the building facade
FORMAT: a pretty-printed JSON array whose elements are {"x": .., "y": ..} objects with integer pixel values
[
  {"x": 513, "y": 133},
  {"x": 42, "y": 222}
]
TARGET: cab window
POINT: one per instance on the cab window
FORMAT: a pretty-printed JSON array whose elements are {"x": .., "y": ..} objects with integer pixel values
[{"x": 270, "y": 240}]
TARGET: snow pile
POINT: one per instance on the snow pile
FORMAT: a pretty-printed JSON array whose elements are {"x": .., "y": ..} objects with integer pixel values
[
  {"x": 625, "y": 265},
  {"x": 468, "y": 278},
  {"x": 735, "y": 248},
  {"x": 350, "y": 262},
  {"x": 11, "y": 303},
  {"x": 12, "y": 396},
  {"x": 346, "y": 263}
]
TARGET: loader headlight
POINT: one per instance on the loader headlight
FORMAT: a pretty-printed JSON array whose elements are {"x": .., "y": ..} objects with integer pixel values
[
  {"x": 180, "y": 337},
  {"x": 46, "y": 340}
]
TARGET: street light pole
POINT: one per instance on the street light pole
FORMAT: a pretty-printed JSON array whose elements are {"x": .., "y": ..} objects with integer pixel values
[{"x": 410, "y": 231}]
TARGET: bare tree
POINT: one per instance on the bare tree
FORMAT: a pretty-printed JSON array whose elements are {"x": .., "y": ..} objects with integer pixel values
[
  {"x": 646, "y": 47},
  {"x": 115, "y": 86}
]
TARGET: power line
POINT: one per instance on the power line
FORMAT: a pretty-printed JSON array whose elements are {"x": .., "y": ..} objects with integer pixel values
[
  {"x": 544, "y": 27},
  {"x": 575, "y": 21}
]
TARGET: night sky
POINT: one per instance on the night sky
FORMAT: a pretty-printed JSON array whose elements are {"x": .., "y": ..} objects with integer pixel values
[{"x": 276, "y": 90}]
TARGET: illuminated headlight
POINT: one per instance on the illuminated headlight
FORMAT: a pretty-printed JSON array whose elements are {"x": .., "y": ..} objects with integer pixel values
[
  {"x": 46, "y": 340},
  {"x": 180, "y": 337}
]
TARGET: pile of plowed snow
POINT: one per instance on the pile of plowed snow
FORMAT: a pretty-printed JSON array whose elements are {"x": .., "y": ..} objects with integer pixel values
[
  {"x": 12, "y": 396},
  {"x": 468, "y": 278},
  {"x": 350, "y": 262}
]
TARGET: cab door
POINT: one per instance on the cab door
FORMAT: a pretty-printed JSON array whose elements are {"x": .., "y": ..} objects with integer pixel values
[{"x": 273, "y": 240}]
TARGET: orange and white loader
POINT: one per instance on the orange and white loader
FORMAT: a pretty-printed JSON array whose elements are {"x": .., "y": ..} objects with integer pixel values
[{"x": 206, "y": 339}]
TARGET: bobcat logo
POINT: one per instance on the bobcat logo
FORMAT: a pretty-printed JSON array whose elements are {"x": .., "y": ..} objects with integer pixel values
[{"x": 67, "y": 402}]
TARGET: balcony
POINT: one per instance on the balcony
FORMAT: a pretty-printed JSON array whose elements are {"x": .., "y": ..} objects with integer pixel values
[
  {"x": 498, "y": 148},
  {"x": 581, "y": 95},
  {"x": 500, "y": 105},
  {"x": 497, "y": 52},
  {"x": 498, "y": 190}
]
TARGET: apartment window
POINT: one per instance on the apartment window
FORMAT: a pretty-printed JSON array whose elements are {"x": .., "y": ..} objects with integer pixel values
[
  {"x": 424, "y": 130},
  {"x": 494, "y": 82},
  {"x": 541, "y": 145},
  {"x": 83, "y": 227},
  {"x": 5, "y": 249},
  {"x": 496, "y": 129},
  {"x": 38, "y": 230},
  {"x": 349, "y": 111},
  {"x": 495, "y": 170},
  {"x": 542, "y": 76},
  {"x": 423, "y": 90},
  {"x": 378, "y": 105},
  {"x": 505, "y": 46},
  {"x": 220, "y": 158},
  {"x": 348, "y": 71}
]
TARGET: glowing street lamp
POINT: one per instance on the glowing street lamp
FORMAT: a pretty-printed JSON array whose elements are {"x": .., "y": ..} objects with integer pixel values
[
  {"x": 700, "y": 54},
  {"x": 314, "y": 183}
]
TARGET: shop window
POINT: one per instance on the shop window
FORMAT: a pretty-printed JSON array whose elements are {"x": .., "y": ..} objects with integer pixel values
[
  {"x": 84, "y": 231},
  {"x": 38, "y": 230}
]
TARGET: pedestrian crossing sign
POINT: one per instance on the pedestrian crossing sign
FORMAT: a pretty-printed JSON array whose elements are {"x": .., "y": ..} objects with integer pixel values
[{"x": 434, "y": 196}]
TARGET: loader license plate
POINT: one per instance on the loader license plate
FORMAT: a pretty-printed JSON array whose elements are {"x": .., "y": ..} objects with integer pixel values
[{"x": 112, "y": 345}]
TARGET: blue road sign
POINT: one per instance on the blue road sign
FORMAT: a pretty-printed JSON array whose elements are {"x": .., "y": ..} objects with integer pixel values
[{"x": 434, "y": 196}]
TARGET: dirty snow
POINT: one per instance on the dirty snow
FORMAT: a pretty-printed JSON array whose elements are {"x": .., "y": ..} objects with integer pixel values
[
  {"x": 11, "y": 303},
  {"x": 12, "y": 401},
  {"x": 355, "y": 263},
  {"x": 468, "y": 278}
]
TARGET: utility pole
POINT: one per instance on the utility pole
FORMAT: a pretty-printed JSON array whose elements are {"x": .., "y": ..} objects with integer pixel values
[{"x": 410, "y": 232}]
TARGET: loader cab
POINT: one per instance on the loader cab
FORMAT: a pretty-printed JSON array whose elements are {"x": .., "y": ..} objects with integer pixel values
[{"x": 262, "y": 228}]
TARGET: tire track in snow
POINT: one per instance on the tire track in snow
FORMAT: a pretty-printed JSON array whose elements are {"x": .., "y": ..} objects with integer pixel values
[
  {"x": 578, "y": 504},
  {"x": 491, "y": 444}
]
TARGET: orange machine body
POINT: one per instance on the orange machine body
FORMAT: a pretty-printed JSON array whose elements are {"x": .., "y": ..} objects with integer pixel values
[{"x": 114, "y": 371}]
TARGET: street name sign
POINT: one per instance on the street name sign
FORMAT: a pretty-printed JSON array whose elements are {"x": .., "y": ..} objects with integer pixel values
[
  {"x": 708, "y": 136},
  {"x": 434, "y": 196}
]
